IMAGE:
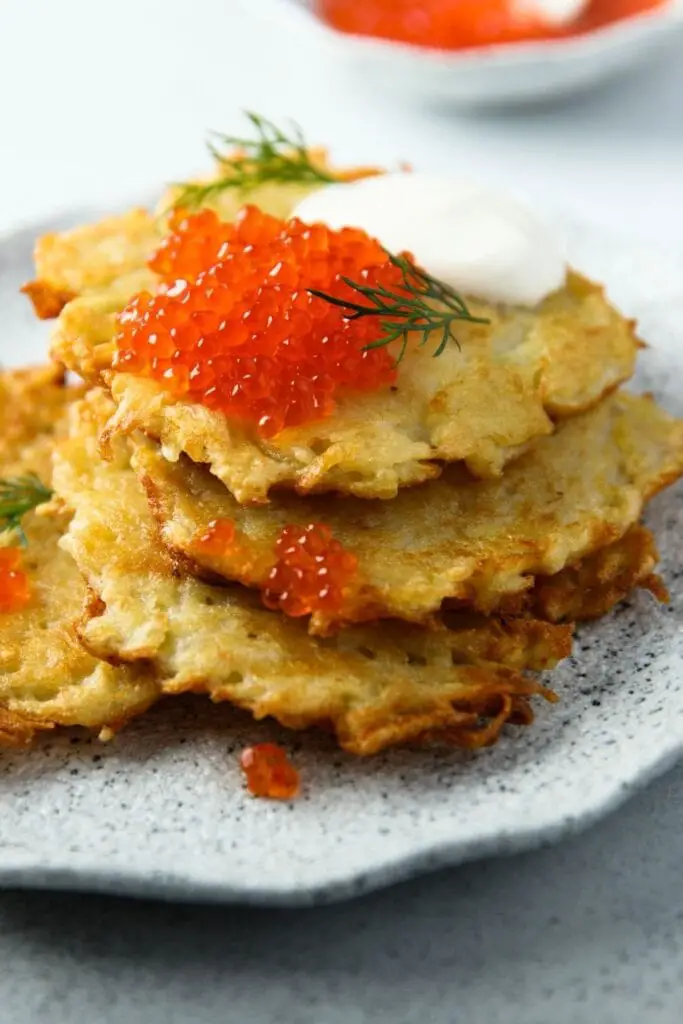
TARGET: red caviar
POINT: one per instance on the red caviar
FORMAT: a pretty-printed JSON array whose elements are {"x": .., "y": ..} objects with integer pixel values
[
  {"x": 460, "y": 24},
  {"x": 15, "y": 592},
  {"x": 195, "y": 242},
  {"x": 312, "y": 571},
  {"x": 219, "y": 535},
  {"x": 235, "y": 328},
  {"x": 269, "y": 772}
]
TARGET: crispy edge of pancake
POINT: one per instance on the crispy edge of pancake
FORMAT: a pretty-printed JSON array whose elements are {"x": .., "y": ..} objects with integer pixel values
[
  {"x": 83, "y": 337},
  {"x": 375, "y": 687},
  {"x": 560, "y": 359},
  {"x": 478, "y": 542},
  {"x": 591, "y": 587},
  {"x": 90, "y": 256},
  {"x": 20, "y": 730},
  {"x": 594, "y": 586},
  {"x": 47, "y": 300},
  {"x": 46, "y": 678}
]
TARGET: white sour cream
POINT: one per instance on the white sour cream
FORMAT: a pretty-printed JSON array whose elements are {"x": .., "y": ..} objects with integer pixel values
[
  {"x": 555, "y": 12},
  {"x": 480, "y": 241}
]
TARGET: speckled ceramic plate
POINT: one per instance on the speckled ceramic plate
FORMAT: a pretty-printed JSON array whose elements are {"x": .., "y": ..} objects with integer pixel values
[{"x": 161, "y": 811}]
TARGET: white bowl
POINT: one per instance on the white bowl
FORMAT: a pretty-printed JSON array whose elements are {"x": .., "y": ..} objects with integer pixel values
[{"x": 491, "y": 75}]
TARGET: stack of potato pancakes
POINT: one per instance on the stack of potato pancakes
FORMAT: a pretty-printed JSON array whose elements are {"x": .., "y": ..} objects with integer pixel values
[{"x": 400, "y": 569}]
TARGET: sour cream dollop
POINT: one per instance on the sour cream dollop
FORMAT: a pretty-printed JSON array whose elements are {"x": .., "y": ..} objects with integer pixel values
[{"x": 480, "y": 241}]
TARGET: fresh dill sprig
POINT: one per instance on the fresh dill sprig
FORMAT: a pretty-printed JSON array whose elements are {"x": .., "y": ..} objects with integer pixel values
[
  {"x": 271, "y": 155},
  {"x": 18, "y": 495},
  {"x": 408, "y": 309}
]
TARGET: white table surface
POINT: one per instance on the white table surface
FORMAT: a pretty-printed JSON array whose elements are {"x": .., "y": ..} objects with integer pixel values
[{"x": 104, "y": 102}]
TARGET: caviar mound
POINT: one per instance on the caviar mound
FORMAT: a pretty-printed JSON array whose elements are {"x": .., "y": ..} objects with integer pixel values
[
  {"x": 100, "y": 266},
  {"x": 235, "y": 327}
]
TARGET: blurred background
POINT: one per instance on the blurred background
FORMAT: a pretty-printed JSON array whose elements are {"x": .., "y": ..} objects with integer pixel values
[{"x": 104, "y": 102}]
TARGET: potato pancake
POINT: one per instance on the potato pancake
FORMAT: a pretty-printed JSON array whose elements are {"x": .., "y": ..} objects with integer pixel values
[
  {"x": 455, "y": 538},
  {"x": 481, "y": 401},
  {"x": 46, "y": 677},
  {"x": 91, "y": 256},
  {"x": 374, "y": 686}
]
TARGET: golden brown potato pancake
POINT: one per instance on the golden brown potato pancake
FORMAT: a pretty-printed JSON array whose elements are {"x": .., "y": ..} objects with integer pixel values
[
  {"x": 46, "y": 677},
  {"x": 91, "y": 256},
  {"x": 481, "y": 402},
  {"x": 478, "y": 542},
  {"x": 374, "y": 687}
]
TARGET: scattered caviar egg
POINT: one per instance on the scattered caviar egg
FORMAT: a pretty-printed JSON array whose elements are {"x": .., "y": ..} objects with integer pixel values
[
  {"x": 220, "y": 541},
  {"x": 269, "y": 772},
  {"x": 461, "y": 24},
  {"x": 235, "y": 327},
  {"x": 15, "y": 592},
  {"x": 312, "y": 572},
  {"x": 218, "y": 537}
]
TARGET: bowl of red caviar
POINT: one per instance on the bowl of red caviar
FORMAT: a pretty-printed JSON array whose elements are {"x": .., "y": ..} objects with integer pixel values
[{"x": 484, "y": 52}]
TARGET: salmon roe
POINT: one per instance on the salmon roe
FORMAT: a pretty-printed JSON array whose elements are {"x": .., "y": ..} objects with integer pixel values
[
  {"x": 216, "y": 538},
  {"x": 312, "y": 573},
  {"x": 269, "y": 772},
  {"x": 15, "y": 592},
  {"x": 460, "y": 24},
  {"x": 235, "y": 328}
]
